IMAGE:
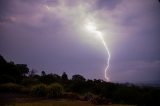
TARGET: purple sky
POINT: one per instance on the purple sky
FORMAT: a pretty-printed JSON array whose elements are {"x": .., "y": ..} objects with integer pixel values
[{"x": 50, "y": 35}]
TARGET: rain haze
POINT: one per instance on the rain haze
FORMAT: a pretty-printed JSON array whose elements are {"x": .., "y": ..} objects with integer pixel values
[{"x": 50, "y": 36}]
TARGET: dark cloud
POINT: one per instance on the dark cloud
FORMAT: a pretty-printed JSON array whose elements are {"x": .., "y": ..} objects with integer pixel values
[
  {"x": 41, "y": 2},
  {"x": 4, "y": 8}
]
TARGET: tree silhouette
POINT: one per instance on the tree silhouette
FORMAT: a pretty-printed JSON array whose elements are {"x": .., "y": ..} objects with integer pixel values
[
  {"x": 43, "y": 73},
  {"x": 78, "y": 78},
  {"x": 64, "y": 77},
  {"x": 11, "y": 72}
]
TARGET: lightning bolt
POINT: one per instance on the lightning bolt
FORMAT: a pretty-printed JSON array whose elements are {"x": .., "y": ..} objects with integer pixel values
[
  {"x": 108, "y": 59},
  {"x": 92, "y": 28}
]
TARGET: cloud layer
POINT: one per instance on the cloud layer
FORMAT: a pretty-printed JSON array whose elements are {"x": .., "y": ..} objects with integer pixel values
[{"x": 50, "y": 35}]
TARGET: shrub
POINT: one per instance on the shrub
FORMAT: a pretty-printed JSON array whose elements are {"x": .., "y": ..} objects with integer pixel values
[
  {"x": 127, "y": 95},
  {"x": 39, "y": 90},
  {"x": 7, "y": 79},
  {"x": 26, "y": 90},
  {"x": 88, "y": 96},
  {"x": 29, "y": 81},
  {"x": 55, "y": 90},
  {"x": 10, "y": 87}
]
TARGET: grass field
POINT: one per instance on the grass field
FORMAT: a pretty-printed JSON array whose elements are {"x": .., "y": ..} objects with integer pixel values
[{"x": 62, "y": 103}]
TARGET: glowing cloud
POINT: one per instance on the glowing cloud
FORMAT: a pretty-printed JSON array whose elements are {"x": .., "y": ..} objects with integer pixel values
[{"x": 90, "y": 26}]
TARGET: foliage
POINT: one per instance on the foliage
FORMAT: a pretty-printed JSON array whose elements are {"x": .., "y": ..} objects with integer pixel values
[
  {"x": 50, "y": 78},
  {"x": 29, "y": 81},
  {"x": 10, "y": 71},
  {"x": 43, "y": 73},
  {"x": 78, "y": 84},
  {"x": 39, "y": 90},
  {"x": 55, "y": 90},
  {"x": 88, "y": 96},
  {"x": 7, "y": 79},
  {"x": 78, "y": 78},
  {"x": 64, "y": 77},
  {"x": 10, "y": 87}
]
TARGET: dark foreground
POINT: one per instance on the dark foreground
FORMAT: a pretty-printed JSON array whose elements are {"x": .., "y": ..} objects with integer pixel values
[{"x": 51, "y": 102}]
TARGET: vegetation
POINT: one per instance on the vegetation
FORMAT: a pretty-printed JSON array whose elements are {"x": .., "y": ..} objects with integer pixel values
[
  {"x": 17, "y": 78},
  {"x": 10, "y": 87},
  {"x": 39, "y": 90},
  {"x": 55, "y": 90}
]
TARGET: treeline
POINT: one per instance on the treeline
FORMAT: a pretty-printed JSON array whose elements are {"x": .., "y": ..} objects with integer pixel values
[{"x": 18, "y": 78}]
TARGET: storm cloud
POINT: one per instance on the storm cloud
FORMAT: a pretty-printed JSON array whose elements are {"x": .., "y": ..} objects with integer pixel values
[{"x": 49, "y": 35}]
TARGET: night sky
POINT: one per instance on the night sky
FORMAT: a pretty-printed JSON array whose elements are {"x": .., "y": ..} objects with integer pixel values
[{"x": 50, "y": 35}]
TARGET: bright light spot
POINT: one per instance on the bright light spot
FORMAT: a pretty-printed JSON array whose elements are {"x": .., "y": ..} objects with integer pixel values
[{"x": 91, "y": 27}]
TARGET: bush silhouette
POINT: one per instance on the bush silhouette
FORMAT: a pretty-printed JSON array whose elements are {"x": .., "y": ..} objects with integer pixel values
[
  {"x": 88, "y": 96},
  {"x": 29, "y": 81},
  {"x": 10, "y": 87},
  {"x": 39, "y": 90},
  {"x": 55, "y": 90}
]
